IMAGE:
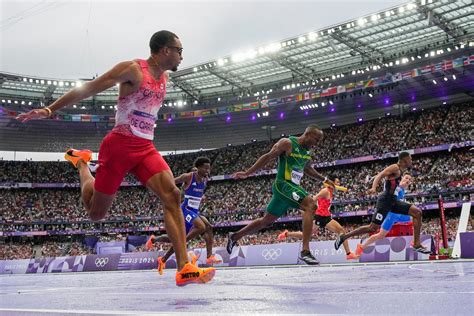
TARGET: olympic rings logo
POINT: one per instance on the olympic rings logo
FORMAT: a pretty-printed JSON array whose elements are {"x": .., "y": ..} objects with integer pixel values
[
  {"x": 101, "y": 262},
  {"x": 271, "y": 254}
]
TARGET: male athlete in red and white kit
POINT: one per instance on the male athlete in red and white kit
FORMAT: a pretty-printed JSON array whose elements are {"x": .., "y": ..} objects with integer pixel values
[
  {"x": 322, "y": 217},
  {"x": 129, "y": 148}
]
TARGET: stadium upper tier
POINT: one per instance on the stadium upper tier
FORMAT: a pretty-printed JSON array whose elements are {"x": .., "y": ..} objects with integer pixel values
[{"x": 417, "y": 128}]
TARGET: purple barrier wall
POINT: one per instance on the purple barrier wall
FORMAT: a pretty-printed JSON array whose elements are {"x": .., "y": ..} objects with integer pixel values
[
  {"x": 388, "y": 249},
  {"x": 467, "y": 244}
]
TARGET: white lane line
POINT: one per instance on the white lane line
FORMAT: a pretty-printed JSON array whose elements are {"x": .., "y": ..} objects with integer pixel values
[{"x": 68, "y": 311}]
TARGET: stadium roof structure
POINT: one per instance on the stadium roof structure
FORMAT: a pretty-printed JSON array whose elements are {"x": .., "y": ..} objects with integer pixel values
[{"x": 385, "y": 39}]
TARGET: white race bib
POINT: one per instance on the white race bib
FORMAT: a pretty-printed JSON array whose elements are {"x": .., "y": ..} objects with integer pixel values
[
  {"x": 142, "y": 124},
  {"x": 296, "y": 176},
  {"x": 194, "y": 203}
]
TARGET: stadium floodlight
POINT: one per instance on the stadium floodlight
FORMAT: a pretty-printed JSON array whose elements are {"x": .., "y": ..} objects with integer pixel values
[
  {"x": 359, "y": 119},
  {"x": 9, "y": 101},
  {"x": 397, "y": 62},
  {"x": 25, "y": 80},
  {"x": 49, "y": 82},
  {"x": 323, "y": 104},
  {"x": 448, "y": 49},
  {"x": 102, "y": 107},
  {"x": 30, "y": 103},
  {"x": 31, "y": 80},
  {"x": 419, "y": 57},
  {"x": 434, "y": 81},
  {"x": 387, "y": 14},
  {"x": 78, "y": 83},
  {"x": 411, "y": 6},
  {"x": 330, "y": 102},
  {"x": 432, "y": 53},
  {"x": 374, "y": 18},
  {"x": 61, "y": 83},
  {"x": 371, "y": 95},
  {"x": 361, "y": 22},
  {"x": 115, "y": 107},
  {"x": 195, "y": 69},
  {"x": 220, "y": 62},
  {"x": 444, "y": 102},
  {"x": 353, "y": 72},
  {"x": 333, "y": 124},
  {"x": 312, "y": 36},
  {"x": 293, "y": 85},
  {"x": 454, "y": 77},
  {"x": 195, "y": 102},
  {"x": 16, "y": 102},
  {"x": 445, "y": 79},
  {"x": 301, "y": 39},
  {"x": 73, "y": 84},
  {"x": 272, "y": 48},
  {"x": 401, "y": 9},
  {"x": 22, "y": 102},
  {"x": 180, "y": 103},
  {"x": 83, "y": 107},
  {"x": 74, "y": 106}
]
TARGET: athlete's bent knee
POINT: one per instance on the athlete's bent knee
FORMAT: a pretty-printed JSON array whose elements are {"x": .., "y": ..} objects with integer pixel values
[{"x": 171, "y": 200}]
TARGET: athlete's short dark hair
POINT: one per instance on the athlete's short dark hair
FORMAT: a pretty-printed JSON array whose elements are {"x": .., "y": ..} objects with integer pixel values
[
  {"x": 161, "y": 39},
  {"x": 403, "y": 155},
  {"x": 201, "y": 161}
]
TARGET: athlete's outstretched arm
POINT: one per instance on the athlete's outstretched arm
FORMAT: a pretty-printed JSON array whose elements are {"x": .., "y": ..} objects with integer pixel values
[
  {"x": 185, "y": 177},
  {"x": 282, "y": 146},
  {"x": 383, "y": 174},
  {"x": 310, "y": 171},
  {"x": 121, "y": 73}
]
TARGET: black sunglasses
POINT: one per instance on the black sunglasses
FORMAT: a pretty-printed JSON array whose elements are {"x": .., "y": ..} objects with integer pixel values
[{"x": 179, "y": 49}]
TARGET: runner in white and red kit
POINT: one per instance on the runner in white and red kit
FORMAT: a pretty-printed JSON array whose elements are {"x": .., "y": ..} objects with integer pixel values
[{"x": 129, "y": 148}]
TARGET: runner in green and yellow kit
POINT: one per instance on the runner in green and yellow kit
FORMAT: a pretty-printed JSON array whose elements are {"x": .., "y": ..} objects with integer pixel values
[{"x": 294, "y": 160}]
